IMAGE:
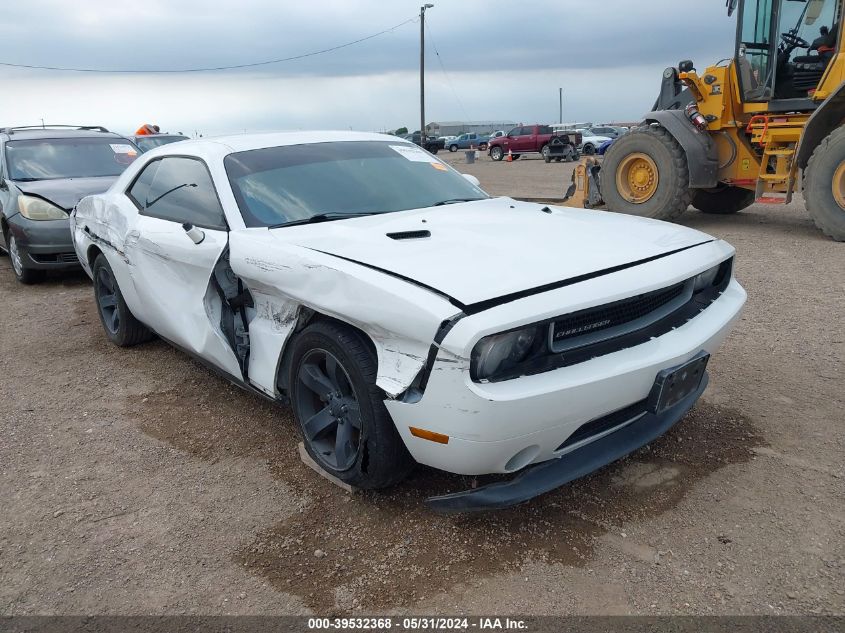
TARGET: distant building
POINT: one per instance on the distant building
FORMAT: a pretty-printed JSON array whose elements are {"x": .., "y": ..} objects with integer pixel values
[{"x": 454, "y": 128}]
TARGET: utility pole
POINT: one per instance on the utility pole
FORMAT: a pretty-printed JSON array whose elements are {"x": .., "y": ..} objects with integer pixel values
[
  {"x": 560, "y": 96},
  {"x": 422, "y": 72}
]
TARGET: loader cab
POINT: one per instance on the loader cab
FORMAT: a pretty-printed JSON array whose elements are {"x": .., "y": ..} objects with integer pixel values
[{"x": 781, "y": 54}]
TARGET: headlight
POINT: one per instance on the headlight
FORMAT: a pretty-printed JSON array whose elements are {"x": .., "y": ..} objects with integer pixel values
[
  {"x": 34, "y": 208},
  {"x": 499, "y": 352},
  {"x": 706, "y": 279}
]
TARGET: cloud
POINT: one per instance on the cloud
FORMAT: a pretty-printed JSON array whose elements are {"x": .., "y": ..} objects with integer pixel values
[{"x": 503, "y": 61}]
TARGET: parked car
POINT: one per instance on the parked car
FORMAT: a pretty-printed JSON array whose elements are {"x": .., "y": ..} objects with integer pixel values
[
  {"x": 446, "y": 139},
  {"x": 601, "y": 150},
  {"x": 44, "y": 171},
  {"x": 468, "y": 141},
  {"x": 609, "y": 131},
  {"x": 529, "y": 139},
  {"x": 591, "y": 142},
  {"x": 432, "y": 144},
  {"x": 151, "y": 141},
  {"x": 563, "y": 146},
  {"x": 562, "y": 341}
]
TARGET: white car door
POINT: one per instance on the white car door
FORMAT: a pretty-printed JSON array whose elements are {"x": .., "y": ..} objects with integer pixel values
[{"x": 173, "y": 268}]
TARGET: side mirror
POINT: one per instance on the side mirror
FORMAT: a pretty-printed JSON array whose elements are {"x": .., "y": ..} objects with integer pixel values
[{"x": 472, "y": 179}]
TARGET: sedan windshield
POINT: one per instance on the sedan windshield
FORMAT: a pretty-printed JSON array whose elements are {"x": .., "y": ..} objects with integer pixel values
[
  {"x": 53, "y": 158},
  {"x": 293, "y": 183}
]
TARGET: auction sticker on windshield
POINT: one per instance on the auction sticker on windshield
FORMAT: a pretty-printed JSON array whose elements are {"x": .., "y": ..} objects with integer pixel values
[
  {"x": 121, "y": 148},
  {"x": 412, "y": 153}
]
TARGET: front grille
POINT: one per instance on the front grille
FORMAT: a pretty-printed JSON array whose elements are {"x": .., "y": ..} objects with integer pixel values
[
  {"x": 616, "y": 326},
  {"x": 578, "y": 324},
  {"x": 605, "y": 423},
  {"x": 54, "y": 258}
]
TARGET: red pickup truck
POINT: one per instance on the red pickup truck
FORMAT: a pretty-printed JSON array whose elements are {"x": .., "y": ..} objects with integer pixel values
[{"x": 521, "y": 140}]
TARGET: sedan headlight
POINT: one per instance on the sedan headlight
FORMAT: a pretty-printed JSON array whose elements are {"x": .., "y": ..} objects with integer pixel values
[
  {"x": 34, "y": 208},
  {"x": 497, "y": 353}
]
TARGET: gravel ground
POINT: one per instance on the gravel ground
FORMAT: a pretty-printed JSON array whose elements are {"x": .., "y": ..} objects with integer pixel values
[{"x": 136, "y": 482}]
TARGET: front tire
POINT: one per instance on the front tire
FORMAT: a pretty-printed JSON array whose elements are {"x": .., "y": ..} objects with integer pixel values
[
  {"x": 345, "y": 426},
  {"x": 589, "y": 150},
  {"x": 453, "y": 148},
  {"x": 824, "y": 185},
  {"x": 723, "y": 200},
  {"x": 23, "y": 274},
  {"x": 497, "y": 153},
  {"x": 645, "y": 173},
  {"x": 120, "y": 325}
]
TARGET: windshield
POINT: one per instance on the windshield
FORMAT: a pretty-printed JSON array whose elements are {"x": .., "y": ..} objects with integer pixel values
[
  {"x": 151, "y": 142},
  {"x": 293, "y": 183},
  {"x": 53, "y": 158}
]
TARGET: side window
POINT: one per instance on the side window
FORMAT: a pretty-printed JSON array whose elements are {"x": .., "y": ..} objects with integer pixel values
[
  {"x": 527, "y": 131},
  {"x": 546, "y": 129},
  {"x": 181, "y": 190},
  {"x": 139, "y": 189},
  {"x": 515, "y": 131}
]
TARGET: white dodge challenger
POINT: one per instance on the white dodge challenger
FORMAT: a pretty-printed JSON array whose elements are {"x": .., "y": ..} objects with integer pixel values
[{"x": 406, "y": 315}]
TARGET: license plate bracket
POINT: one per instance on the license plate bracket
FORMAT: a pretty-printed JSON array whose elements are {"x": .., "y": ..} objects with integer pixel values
[{"x": 676, "y": 383}]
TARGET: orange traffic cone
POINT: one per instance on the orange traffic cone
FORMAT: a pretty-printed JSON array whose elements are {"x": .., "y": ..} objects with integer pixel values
[{"x": 510, "y": 156}]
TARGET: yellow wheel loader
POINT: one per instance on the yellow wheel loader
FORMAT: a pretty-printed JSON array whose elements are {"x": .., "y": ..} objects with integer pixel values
[{"x": 744, "y": 130}]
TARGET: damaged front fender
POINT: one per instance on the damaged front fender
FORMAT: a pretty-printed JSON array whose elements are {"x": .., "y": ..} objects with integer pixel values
[{"x": 401, "y": 319}]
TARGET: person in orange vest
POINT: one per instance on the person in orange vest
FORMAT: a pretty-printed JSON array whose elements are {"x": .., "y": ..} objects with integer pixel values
[{"x": 147, "y": 129}]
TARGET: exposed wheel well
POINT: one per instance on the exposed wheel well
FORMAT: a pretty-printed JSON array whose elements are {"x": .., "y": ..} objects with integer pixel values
[
  {"x": 307, "y": 316},
  {"x": 91, "y": 255}
]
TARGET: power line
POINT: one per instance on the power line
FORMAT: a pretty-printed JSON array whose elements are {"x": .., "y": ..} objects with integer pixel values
[
  {"x": 443, "y": 68},
  {"x": 214, "y": 68}
]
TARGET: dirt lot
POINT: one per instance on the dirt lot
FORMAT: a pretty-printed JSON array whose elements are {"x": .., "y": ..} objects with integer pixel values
[{"x": 134, "y": 481}]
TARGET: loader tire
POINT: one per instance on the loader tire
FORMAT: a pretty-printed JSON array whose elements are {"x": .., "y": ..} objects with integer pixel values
[
  {"x": 824, "y": 185},
  {"x": 723, "y": 200},
  {"x": 650, "y": 167}
]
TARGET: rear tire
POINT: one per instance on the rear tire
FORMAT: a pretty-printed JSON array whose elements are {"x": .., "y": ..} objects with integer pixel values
[
  {"x": 824, "y": 185},
  {"x": 120, "y": 325},
  {"x": 723, "y": 200},
  {"x": 345, "y": 426},
  {"x": 666, "y": 195},
  {"x": 453, "y": 148}
]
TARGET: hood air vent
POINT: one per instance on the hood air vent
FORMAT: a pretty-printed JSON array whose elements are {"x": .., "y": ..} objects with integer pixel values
[{"x": 409, "y": 235}]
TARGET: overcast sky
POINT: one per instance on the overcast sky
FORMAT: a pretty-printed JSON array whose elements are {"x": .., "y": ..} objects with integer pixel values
[{"x": 503, "y": 60}]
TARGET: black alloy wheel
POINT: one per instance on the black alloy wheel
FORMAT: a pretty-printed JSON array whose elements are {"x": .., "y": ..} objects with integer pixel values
[{"x": 328, "y": 406}]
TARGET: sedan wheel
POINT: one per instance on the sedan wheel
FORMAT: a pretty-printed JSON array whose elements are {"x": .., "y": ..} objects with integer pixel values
[
  {"x": 22, "y": 274},
  {"x": 345, "y": 425},
  {"x": 121, "y": 326},
  {"x": 107, "y": 300}
]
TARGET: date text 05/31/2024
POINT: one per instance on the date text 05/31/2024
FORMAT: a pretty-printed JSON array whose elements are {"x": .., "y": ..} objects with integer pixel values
[{"x": 419, "y": 623}]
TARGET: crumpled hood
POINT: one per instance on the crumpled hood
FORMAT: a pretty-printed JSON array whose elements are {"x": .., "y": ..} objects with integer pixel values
[
  {"x": 487, "y": 249},
  {"x": 66, "y": 192}
]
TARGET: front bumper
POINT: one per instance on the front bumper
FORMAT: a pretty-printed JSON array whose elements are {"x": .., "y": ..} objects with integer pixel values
[
  {"x": 44, "y": 244},
  {"x": 504, "y": 427},
  {"x": 552, "y": 474}
]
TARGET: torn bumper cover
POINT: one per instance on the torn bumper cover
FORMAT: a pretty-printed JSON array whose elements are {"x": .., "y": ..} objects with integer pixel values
[{"x": 554, "y": 473}]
